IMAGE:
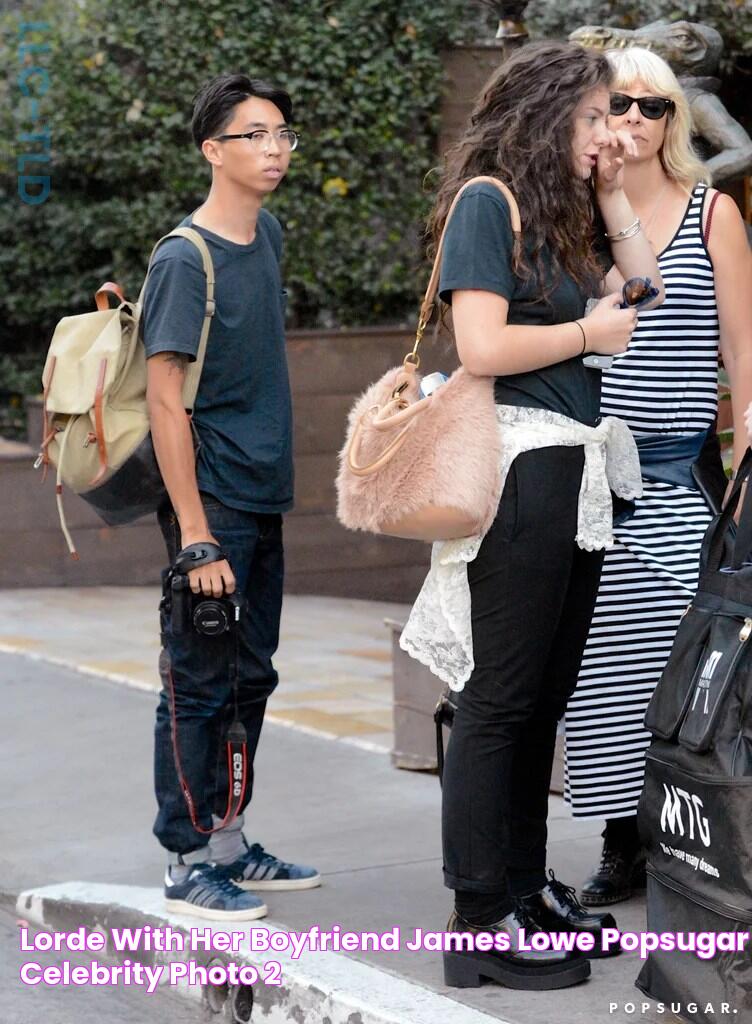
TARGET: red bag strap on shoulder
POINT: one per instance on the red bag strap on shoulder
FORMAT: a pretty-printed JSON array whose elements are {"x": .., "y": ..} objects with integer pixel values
[{"x": 706, "y": 232}]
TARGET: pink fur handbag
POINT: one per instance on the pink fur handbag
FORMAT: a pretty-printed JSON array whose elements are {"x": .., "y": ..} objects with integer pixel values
[{"x": 423, "y": 468}]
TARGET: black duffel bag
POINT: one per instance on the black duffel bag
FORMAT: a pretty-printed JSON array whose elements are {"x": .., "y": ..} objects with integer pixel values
[{"x": 695, "y": 812}]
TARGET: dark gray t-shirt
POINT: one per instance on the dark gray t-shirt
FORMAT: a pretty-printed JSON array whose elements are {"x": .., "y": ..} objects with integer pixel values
[
  {"x": 243, "y": 410},
  {"x": 478, "y": 255}
]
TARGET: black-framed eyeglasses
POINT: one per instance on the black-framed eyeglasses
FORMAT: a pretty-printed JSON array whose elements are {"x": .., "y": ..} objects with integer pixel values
[
  {"x": 261, "y": 139},
  {"x": 651, "y": 107}
]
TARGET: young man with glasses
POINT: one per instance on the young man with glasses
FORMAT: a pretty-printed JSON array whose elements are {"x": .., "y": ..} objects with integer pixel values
[{"x": 230, "y": 492}]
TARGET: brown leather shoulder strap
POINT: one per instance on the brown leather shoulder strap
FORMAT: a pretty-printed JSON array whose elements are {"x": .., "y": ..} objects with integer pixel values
[
  {"x": 708, "y": 222},
  {"x": 427, "y": 306}
]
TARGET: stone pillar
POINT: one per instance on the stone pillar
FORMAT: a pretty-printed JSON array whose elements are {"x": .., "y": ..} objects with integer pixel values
[{"x": 467, "y": 69}]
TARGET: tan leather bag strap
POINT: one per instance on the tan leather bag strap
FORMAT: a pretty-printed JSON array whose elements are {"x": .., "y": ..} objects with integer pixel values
[
  {"x": 193, "y": 374},
  {"x": 388, "y": 417},
  {"x": 427, "y": 307},
  {"x": 394, "y": 414},
  {"x": 353, "y": 450}
]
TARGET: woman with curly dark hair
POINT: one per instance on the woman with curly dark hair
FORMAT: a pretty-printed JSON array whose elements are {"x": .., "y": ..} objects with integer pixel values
[{"x": 508, "y": 614}]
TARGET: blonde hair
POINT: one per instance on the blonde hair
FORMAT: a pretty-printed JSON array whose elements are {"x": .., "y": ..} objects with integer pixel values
[{"x": 678, "y": 156}]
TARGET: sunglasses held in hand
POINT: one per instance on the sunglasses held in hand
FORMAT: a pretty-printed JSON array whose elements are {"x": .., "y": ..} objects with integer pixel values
[{"x": 635, "y": 293}]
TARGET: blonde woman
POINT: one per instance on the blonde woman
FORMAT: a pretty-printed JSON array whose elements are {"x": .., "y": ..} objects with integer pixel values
[{"x": 665, "y": 387}]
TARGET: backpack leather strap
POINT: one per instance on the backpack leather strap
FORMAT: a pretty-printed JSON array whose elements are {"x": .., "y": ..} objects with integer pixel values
[
  {"x": 47, "y": 433},
  {"x": 99, "y": 423},
  {"x": 101, "y": 295}
]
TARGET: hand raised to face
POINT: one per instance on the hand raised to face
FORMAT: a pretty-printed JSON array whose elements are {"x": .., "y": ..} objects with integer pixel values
[{"x": 610, "y": 166}]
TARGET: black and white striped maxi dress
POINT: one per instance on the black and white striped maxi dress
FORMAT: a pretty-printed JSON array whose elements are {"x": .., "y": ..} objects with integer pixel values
[{"x": 666, "y": 383}]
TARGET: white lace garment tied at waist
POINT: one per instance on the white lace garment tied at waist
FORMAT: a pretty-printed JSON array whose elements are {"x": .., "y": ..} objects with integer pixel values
[{"x": 439, "y": 632}]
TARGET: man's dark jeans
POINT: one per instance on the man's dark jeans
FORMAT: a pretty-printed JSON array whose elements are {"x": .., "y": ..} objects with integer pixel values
[
  {"x": 533, "y": 592},
  {"x": 202, "y": 678}
]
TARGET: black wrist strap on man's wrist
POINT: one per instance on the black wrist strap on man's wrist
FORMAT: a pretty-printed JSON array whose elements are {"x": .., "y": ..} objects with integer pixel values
[{"x": 195, "y": 555}]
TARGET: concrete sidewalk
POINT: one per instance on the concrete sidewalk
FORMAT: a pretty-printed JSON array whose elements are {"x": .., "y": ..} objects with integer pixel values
[
  {"x": 78, "y": 796},
  {"x": 334, "y": 658}
]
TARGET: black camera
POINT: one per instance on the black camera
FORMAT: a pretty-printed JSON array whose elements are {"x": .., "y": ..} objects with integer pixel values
[{"x": 209, "y": 616}]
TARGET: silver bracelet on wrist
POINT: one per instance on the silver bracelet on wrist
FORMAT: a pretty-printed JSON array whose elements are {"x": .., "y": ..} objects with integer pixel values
[{"x": 628, "y": 232}]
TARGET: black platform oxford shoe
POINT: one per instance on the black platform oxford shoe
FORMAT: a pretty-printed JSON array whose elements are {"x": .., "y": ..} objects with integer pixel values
[
  {"x": 516, "y": 967},
  {"x": 555, "y": 908}
]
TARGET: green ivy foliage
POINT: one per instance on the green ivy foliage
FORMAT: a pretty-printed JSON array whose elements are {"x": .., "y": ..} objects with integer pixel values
[{"x": 366, "y": 81}]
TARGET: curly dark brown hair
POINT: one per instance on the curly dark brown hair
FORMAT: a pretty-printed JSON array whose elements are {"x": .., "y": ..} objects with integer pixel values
[{"x": 521, "y": 131}]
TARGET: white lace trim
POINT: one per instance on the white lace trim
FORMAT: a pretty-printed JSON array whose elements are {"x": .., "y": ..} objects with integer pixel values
[{"x": 439, "y": 631}]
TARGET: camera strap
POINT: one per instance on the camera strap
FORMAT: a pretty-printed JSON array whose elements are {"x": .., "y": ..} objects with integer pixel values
[
  {"x": 443, "y": 714},
  {"x": 195, "y": 555},
  {"x": 236, "y": 745}
]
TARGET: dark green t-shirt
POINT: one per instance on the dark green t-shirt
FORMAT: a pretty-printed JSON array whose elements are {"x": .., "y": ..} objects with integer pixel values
[
  {"x": 478, "y": 255},
  {"x": 243, "y": 410}
]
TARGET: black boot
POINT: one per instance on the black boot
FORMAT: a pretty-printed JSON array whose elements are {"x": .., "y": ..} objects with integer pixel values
[
  {"x": 622, "y": 868},
  {"x": 555, "y": 908},
  {"x": 519, "y": 969}
]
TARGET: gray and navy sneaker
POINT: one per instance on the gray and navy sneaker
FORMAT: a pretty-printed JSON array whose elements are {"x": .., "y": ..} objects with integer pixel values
[
  {"x": 257, "y": 869},
  {"x": 208, "y": 892}
]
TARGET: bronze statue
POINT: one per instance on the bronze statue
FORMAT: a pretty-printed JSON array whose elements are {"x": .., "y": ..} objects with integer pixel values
[
  {"x": 693, "y": 50},
  {"x": 511, "y": 15}
]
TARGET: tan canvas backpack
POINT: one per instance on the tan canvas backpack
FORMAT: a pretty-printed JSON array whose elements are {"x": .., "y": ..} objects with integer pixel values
[{"x": 96, "y": 422}]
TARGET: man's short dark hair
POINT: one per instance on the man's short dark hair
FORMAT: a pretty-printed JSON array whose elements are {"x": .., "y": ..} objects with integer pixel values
[{"x": 214, "y": 104}]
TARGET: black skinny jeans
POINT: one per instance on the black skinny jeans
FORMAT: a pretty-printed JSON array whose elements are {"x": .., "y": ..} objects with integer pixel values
[{"x": 533, "y": 592}]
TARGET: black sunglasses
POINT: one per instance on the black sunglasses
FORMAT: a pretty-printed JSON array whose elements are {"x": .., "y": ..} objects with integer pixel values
[{"x": 651, "y": 107}]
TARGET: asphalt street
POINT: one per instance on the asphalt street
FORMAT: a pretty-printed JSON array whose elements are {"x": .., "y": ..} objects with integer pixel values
[{"x": 77, "y": 801}]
